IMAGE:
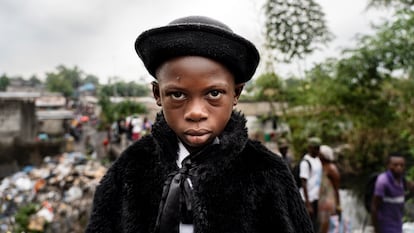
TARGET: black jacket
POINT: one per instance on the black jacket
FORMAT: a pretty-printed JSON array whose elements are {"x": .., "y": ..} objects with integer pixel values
[{"x": 242, "y": 186}]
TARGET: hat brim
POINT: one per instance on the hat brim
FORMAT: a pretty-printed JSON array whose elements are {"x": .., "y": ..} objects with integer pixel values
[{"x": 158, "y": 45}]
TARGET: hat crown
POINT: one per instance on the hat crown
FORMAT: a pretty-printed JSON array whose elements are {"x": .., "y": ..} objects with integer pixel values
[
  {"x": 200, "y": 20},
  {"x": 198, "y": 36}
]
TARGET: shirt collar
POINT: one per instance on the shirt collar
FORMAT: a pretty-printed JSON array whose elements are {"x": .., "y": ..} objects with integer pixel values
[{"x": 183, "y": 152}]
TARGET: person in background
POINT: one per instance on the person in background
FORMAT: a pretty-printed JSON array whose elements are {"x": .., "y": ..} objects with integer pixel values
[
  {"x": 329, "y": 200},
  {"x": 311, "y": 176},
  {"x": 88, "y": 145},
  {"x": 146, "y": 126},
  {"x": 106, "y": 142},
  {"x": 283, "y": 146},
  {"x": 197, "y": 171},
  {"x": 122, "y": 130},
  {"x": 135, "y": 127},
  {"x": 387, "y": 208}
]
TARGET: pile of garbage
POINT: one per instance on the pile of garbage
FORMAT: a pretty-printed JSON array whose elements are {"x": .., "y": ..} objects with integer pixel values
[{"x": 55, "y": 197}]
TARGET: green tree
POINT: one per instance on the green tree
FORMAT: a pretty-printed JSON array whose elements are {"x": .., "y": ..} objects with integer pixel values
[
  {"x": 125, "y": 89},
  {"x": 91, "y": 79},
  {"x": 111, "y": 111},
  {"x": 295, "y": 28},
  {"x": 74, "y": 75},
  {"x": 35, "y": 81},
  {"x": 268, "y": 87},
  {"x": 399, "y": 4},
  {"x": 67, "y": 80},
  {"x": 56, "y": 82},
  {"x": 360, "y": 101},
  {"x": 392, "y": 43},
  {"x": 4, "y": 82},
  {"x": 377, "y": 99}
]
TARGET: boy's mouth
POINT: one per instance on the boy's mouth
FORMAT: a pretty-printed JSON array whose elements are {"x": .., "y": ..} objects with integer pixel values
[
  {"x": 193, "y": 132},
  {"x": 196, "y": 137}
]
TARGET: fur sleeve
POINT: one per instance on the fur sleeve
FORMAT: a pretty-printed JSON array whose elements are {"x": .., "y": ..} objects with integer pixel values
[
  {"x": 286, "y": 203},
  {"x": 106, "y": 204},
  {"x": 283, "y": 208}
]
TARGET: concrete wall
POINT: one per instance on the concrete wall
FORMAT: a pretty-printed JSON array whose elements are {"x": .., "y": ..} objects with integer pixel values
[
  {"x": 18, "y": 128},
  {"x": 52, "y": 127},
  {"x": 17, "y": 121},
  {"x": 259, "y": 108}
]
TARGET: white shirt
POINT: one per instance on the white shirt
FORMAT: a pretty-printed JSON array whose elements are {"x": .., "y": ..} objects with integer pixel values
[
  {"x": 182, "y": 154},
  {"x": 313, "y": 176}
]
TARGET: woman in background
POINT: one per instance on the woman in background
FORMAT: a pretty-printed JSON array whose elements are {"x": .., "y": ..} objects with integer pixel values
[{"x": 329, "y": 201}]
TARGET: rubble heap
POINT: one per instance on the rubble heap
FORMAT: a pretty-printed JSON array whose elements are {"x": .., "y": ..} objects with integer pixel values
[{"x": 56, "y": 197}]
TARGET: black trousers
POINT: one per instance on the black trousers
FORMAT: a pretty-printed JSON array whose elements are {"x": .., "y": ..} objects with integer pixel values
[{"x": 314, "y": 216}]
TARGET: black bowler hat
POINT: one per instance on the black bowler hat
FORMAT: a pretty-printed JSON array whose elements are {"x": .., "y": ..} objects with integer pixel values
[{"x": 198, "y": 36}]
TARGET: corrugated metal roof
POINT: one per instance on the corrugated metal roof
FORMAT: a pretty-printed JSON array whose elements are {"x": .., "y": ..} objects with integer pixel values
[
  {"x": 54, "y": 114},
  {"x": 19, "y": 95}
]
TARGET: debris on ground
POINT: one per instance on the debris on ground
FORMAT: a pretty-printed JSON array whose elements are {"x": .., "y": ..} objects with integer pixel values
[{"x": 55, "y": 197}]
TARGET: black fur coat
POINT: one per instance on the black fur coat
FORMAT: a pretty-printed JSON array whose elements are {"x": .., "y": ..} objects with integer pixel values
[{"x": 243, "y": 187}]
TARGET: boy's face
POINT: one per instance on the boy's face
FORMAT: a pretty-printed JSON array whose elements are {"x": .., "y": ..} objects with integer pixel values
[
  {"x": 396, "y": 165},
  {"x": 197, "y": 96}
]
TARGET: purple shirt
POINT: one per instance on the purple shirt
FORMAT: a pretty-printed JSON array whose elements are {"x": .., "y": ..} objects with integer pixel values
[{"x": 390, "y": 212}]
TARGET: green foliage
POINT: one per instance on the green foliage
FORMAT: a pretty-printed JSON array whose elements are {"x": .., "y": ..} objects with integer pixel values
[
  {"x": 125, "y": 89},
  {"x": 112, "y": 111},
  {"x": 359, "y": 104},
  {"x": 22, "y": 217},
  {"x": 4, "y": 82},
  {"x": 56, "y": 82},
  {"x": 294, "y": 28},
  {"x": 359, "y": 89},
  {"x": 268, "y": 87},
  {"x": 128, "y": 108},
  {"x": 356, "y": 102},
  {"x": 91, "y": 79},
  {"x": 295, "y": 91},
  {"x": 35, "y": 81},
  {"x": 399, "y": 4},
  {"x": 393, "y": 43},
  {"x": 64, "y": 80}
]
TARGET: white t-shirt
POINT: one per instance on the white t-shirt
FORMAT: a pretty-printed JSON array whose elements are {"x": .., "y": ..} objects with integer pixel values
[{"x": 312, "y": 175}]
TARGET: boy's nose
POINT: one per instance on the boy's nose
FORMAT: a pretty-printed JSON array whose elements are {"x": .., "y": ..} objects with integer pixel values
[{"x": 196, "y": 111}]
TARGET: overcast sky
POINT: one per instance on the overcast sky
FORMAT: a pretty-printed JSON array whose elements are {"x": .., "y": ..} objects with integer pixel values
[{"x": 98, "y": 35}]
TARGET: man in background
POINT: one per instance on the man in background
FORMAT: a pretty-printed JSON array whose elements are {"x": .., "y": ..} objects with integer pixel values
[
  {"x": 311, "y": 177},
  {"x": 387, "y": 206}
]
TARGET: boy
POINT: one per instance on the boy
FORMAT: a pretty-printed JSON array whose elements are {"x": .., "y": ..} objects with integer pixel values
[
  {"x": 197, "y": 171},
  {"x": 388, "y": 201}
]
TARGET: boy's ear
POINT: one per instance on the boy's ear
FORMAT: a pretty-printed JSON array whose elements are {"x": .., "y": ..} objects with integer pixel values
[
  {"x": 237, "y": 92},
  {"x": 156, "y": 93}
]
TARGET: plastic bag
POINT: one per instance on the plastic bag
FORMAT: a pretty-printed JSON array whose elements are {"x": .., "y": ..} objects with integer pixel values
[{"x": 339, "y": 225}]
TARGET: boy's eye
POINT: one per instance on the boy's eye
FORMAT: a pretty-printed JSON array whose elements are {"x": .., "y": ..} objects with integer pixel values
[
  {"x": 215, "y": 94},
  {"x": 177, "y": 95}
]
